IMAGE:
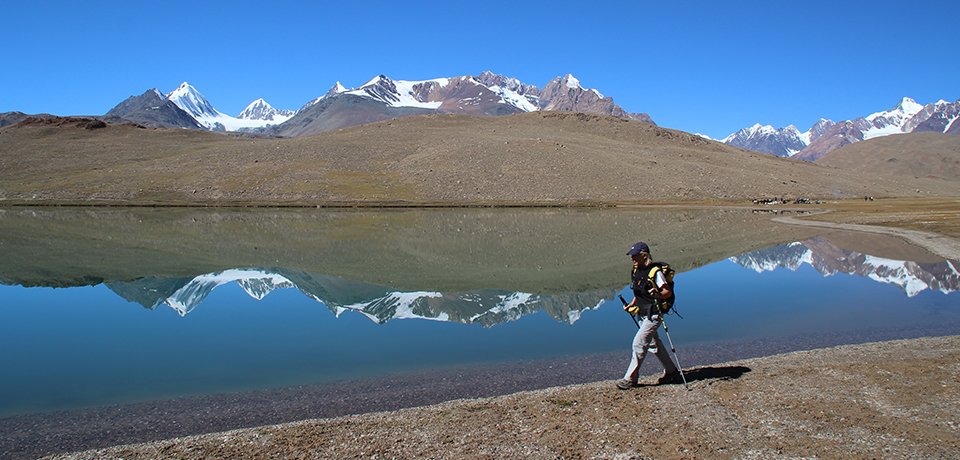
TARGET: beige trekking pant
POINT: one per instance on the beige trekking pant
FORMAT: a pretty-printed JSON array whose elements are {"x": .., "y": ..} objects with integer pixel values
[{"x": 646, "y": 336}]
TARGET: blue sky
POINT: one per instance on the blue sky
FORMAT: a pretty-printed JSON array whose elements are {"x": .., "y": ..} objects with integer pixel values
[{"x": 700, "y": 66}]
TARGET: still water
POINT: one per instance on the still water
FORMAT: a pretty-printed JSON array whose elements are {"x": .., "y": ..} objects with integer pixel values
[{"x": 112, "y": 306}]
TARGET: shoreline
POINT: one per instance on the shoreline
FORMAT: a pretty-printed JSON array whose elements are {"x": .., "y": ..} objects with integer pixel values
[
  {"x": 941, "y": 245},
  {"x": 375, "y": 204},
  {"x": 836, "y": 401},
  {"x": 31, "y": 436}
]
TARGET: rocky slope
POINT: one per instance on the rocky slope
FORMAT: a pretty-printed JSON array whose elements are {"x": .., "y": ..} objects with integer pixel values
[
  {"x": 922, "y": 154},
  {"x": 154, "y": 110},
  {"x": 12, "y": 118}
]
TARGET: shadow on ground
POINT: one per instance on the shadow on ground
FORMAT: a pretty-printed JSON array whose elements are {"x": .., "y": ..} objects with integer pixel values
[{"x": 713, "y": 373}]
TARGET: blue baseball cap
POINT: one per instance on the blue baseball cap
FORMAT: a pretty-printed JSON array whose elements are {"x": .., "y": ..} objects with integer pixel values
[{"x": 637, "y": 248}]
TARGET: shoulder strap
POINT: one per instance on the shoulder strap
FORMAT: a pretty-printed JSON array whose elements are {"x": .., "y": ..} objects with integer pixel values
[
  {"x": 652, "y": 274},
  {"x": 653, "y": 271}
]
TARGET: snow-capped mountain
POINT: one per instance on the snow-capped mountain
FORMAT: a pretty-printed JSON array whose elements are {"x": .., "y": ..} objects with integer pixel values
[
  {"x": 512, "y": 91},
  {"x": 383, "y": 98},
  {"x": 891, "y": 121},
  {"x": 486, "y": 94},
  {"x": 782, "y": 142},
  {"x": 152, "y": 109},
  {"x": 939, "y": 117},
  {"x": 433, "y": 94},
  {"x": 828, "y": 259},
  {"x": 400, "y": 93},
  {"x": 489, "y": 88},
  {"x": 825, "y": 135},
  {"x": 191, "y": 101},
  {"x": 334, "y": 90},
  {"x": 566, "y": 94},
  {"x": 260, "y": 110}
]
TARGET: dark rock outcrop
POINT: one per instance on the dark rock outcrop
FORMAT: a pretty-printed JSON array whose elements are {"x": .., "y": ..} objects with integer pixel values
[{"x": 153, "y": 110}]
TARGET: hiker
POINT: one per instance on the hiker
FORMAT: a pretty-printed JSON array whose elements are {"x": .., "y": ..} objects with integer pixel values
[{"x": 648, "y": 286}]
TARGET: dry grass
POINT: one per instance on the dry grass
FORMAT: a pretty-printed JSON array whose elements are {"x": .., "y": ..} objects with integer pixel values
[
  {"x": 540, "y": 158},
  {"x": 936, "y": 215},
  {"x": 931, "y": 155}
]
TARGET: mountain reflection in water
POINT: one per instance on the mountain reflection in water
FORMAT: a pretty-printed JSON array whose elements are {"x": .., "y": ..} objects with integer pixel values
[
  {"x": 489, "y": 307},
  {"x": 107, "y": 306},
  {"x": 378, "y": 303},
  {"x": 829, "y": 259},
  {"x": 481, "y": 266}
]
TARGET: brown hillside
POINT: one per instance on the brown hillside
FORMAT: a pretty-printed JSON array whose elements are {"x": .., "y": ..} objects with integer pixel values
[
  {"x": 929, "y": 155},
  {"x": 525, "y": 158}
]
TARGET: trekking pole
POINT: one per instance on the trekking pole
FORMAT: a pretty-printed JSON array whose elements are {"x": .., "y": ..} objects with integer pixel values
[
  {"x": 674, "y": 350},
  {"x": 631, "y": 315}
]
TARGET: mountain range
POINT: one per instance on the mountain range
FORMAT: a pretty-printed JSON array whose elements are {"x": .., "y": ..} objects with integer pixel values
[
  {"x": 379, "y": 99},
  {"x": 490, "y": 94},
  {"x": 907, "y": 116},
  {"x": 185, "y": 107}
]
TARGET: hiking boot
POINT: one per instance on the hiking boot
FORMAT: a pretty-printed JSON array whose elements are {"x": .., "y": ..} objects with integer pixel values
[
  {"x": 625, "y": 384},
  {"x": 665, "y": 379}
]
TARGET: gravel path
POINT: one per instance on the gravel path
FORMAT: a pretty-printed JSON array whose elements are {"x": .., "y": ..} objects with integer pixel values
[
  {"x": 31, "y": 436},
  {"x": 897, "y": 399}
]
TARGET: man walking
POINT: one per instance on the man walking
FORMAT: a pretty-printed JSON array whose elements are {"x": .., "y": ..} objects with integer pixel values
[{"x": 648, "y": 287}]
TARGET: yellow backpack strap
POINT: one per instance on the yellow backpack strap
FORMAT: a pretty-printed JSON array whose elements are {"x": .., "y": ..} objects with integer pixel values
[{"x": 652, "y": 275}]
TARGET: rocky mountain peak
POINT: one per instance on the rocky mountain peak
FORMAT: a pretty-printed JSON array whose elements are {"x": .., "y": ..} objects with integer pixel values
[
  {"x": 490, "y": 79},
  {"x": 570, "y": 81},
  {"x": 817, "y": 130},
  {"x": 937, "y": 117},
  {"x": 567, "y": 94},
  {"x": 907, "y": 104},
  {"x": 821, "y": 124},
  {"x": 781, "y": 142},
  {"x": 191, "y": 101},
  {"x": 153, "y": 109},
  {"x": 487, "y": 75},
  {"x": 381, "y": 88},
  {"x": 334, "y": 90},
  {"x": 261, "y": 110},
  {"x": 337, "y": 88}
]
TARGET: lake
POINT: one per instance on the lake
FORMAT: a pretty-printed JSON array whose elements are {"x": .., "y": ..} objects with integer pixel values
[{"x": 105, "y": 307}]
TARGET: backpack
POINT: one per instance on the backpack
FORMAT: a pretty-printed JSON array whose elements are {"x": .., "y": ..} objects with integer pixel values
[{"x": 665, "y": 304}]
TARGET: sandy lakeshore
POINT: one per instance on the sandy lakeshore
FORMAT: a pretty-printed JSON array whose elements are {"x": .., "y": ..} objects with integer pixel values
[{"x": 895, "y": 399}]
